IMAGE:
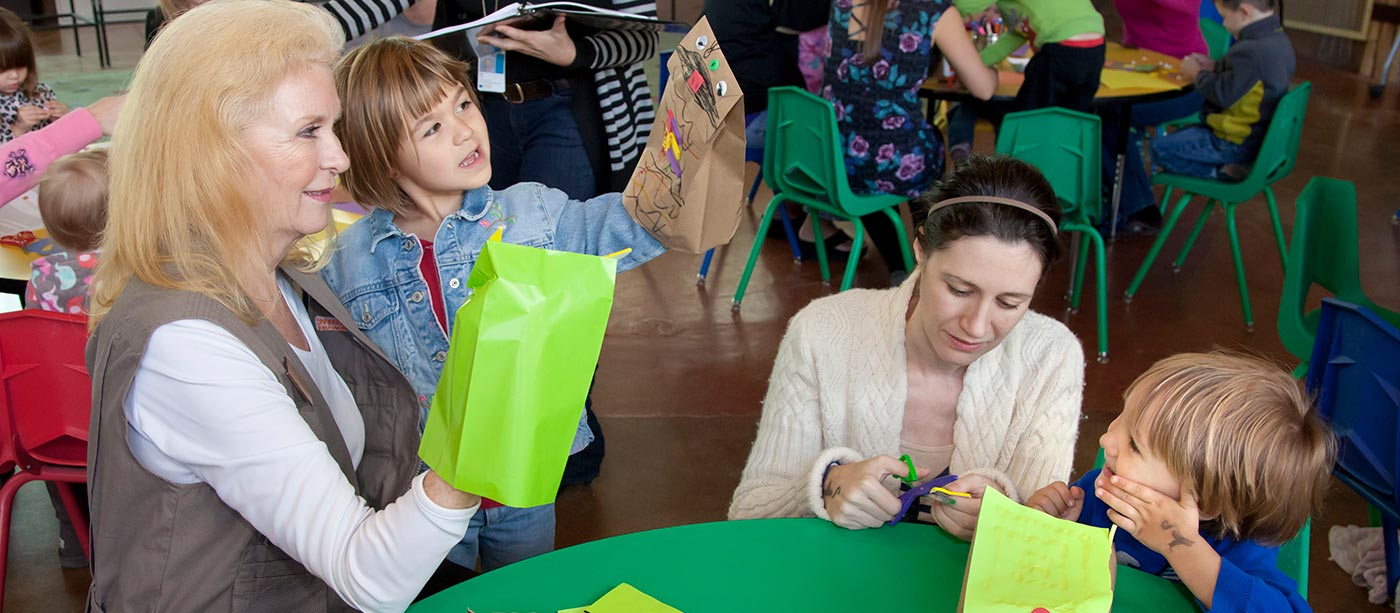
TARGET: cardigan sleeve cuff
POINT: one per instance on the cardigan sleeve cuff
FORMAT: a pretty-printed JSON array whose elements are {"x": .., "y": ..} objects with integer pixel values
[
  {"x": 998, "y": 478},
  {"x": 844, "y": 455}
]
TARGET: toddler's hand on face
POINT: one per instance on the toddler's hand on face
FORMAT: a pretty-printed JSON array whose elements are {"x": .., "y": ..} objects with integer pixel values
[
  {"x": 1153, "y": 518},
  {"x": 1058, "y": 500}
]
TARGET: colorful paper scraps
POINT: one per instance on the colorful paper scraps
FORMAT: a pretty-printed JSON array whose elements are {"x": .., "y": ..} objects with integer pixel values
[
  {"x": 625, "y": 599},
  {"x": 1023, "y": 560}
]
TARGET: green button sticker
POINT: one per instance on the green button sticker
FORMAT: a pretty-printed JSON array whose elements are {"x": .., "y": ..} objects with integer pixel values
[{"x": 714, "y": 64}]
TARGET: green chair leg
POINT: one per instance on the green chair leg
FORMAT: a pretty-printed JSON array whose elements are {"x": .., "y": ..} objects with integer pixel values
[
  {"x": 1166, "y": 199},
  {"x": 820, "y": 240},
  {"x": 1081, "y": 260},
  {"x": 1100, "y": 277},
  {"x": 1278, "y": 228},
  {"x": 763, "y": 224},
  {"x": 853, "y": 262},
  {"x": 1195, "y": 232},
  {"x": 1239, "y": 267},
  {"x": 904, "y": 248},
  {"x": 1157, "y": 246}
]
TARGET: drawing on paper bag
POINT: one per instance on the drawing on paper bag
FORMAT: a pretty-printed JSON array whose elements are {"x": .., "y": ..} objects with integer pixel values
[{"x": 687, "y": 187}]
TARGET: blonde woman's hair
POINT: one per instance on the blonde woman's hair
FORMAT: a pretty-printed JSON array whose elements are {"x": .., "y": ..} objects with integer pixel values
[
  {"x": 73, "y": 199},
  {"x": 1241, "y": 435},
  {"x": 179, "y": 215},
  {"x": 385, "y": 85}
]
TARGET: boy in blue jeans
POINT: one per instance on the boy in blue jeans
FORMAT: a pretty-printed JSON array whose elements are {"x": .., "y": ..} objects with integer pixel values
[{"x": 1240, "y": 94}]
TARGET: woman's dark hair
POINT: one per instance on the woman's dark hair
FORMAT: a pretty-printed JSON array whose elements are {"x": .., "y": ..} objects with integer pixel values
[
  {"x": 16, "y": 50},
  {"x": 997, "y": 176}
]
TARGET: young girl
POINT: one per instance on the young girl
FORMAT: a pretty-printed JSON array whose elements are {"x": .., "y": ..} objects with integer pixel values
[
  {"x": 421, "y": 159},
  {"x": 25, "y": 103},
  {"x": 1216, "y": 460},
  {"x": 1068, "y": 37}
]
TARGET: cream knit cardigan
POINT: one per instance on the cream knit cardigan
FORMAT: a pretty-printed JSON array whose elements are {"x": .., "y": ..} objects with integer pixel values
[{"x": 838, "y": 391}]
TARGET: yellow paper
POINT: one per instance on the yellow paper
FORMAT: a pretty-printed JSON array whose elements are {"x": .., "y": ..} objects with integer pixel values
[
  {"x": 1023, "y": 560},
  {"x": 1113, "y": 78},
  {"x": 624, "y": 599}
]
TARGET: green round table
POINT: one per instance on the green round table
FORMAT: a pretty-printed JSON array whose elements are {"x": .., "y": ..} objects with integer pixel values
[{"x": 767, "y": 565}]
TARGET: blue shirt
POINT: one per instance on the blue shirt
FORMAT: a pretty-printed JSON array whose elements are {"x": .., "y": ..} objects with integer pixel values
[
  {"x": 1249, "y": 578},
  {"x": 374, "y": 269}
]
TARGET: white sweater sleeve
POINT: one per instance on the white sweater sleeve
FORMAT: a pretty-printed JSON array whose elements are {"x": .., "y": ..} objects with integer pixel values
[
  {"x": 204, "y": 405},
  {"x": 783, "y": 475}
]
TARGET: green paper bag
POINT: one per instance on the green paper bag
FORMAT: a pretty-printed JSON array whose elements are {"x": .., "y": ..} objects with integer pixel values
[
  {"x": 1023, "y": 560},
  {"x": 521, "y": 358}
]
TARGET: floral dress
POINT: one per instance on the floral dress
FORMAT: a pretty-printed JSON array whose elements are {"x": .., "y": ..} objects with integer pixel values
[{"x": 890, "y": 148}]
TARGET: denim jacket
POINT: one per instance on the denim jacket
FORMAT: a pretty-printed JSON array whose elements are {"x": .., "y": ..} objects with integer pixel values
[{"x": 374, "y": 269}]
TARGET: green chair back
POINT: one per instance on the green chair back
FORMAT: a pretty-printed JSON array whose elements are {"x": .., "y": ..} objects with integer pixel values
[
  {"x": 1278, "y": 154},
  {"x": 1292, "y": 556},
  {"x": 1065, "y": 145},
  {"x": 1217, "y": 38},
  {"x": 1324, "y": 252},
  {"x": 803, "y": 158}
]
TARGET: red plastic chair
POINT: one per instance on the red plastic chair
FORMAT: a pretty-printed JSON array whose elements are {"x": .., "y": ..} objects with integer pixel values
[{"x": 45, "y": 403}]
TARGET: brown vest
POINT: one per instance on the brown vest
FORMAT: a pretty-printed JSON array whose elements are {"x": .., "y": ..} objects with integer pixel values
[{"x": 159, "y": 546}]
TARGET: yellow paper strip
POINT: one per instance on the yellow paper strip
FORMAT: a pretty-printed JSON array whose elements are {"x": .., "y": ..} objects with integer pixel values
[{"x": 1113, "y": 78}]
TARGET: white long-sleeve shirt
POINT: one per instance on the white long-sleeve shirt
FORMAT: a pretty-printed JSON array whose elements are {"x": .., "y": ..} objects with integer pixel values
[{"x": 204, "y": 408}]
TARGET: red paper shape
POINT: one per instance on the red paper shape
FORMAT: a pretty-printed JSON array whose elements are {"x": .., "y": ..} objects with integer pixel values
[{"x": 696, "y": 81}]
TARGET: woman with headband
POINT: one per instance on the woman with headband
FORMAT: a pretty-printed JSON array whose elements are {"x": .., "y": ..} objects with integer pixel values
[{"x": 951, "y": 368}]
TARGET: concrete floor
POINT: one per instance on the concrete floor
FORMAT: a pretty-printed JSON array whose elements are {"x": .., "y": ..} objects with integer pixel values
[{"x": 681, "y": 377}]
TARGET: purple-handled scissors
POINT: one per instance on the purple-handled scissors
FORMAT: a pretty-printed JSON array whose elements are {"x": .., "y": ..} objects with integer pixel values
[{"x": 907, "y": 499}]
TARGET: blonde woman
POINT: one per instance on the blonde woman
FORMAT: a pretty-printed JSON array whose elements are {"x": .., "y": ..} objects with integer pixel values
[{"x": 250, "y": 449}]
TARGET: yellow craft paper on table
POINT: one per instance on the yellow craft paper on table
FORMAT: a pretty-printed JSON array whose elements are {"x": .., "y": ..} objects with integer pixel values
[
  {"x": 624, "y": 599},
  {"x": 1023, "y": 560},
  {"x": 1128, "y": 79}
]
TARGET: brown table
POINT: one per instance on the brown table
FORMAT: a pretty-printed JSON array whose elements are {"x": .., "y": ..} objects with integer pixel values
[{"x": 1107, "y": 100}]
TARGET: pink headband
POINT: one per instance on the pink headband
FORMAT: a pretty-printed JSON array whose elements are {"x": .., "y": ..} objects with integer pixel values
[{"x": 996, "y": 200}]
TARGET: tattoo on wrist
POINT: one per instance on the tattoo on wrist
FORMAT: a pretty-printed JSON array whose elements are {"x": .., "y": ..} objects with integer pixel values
[
  {"x": 1177, "y": 539},
  {"x": 831, "y": 493}
]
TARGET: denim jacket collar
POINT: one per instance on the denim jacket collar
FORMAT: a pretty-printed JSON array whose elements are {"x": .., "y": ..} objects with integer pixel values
[{"x": 475, "y": 203}]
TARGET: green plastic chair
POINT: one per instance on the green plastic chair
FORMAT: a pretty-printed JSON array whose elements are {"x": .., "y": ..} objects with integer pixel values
[
  {"x": 1292, "y": 556},
  {"x": 1065, "y": 145},
  {"x": 1324, "y": 253},
  {"x": 803, "y": 163},
  {"x": 1277, "y": 156}
]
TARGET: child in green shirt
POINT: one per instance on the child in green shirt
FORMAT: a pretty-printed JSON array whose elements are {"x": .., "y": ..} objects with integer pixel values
[{"x": 1068, "y": 38}]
